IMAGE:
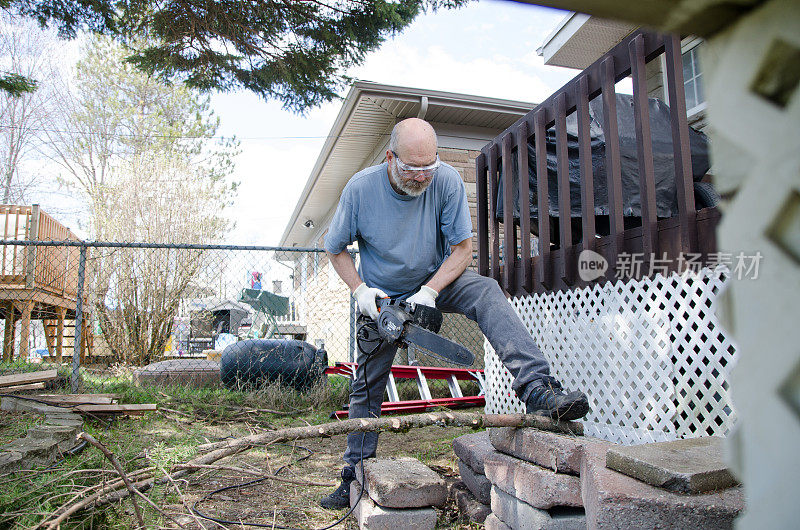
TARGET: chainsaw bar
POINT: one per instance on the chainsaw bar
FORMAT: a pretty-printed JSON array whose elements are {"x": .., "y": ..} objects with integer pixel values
[{"x": 437, "y": 346}]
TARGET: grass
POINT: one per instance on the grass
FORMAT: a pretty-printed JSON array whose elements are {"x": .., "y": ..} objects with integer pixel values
[
  {"x": 189, "y": 417},
  {"x": 138, "y": 441}
]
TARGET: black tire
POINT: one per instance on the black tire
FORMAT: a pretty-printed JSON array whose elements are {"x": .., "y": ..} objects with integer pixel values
[{"x": 705, "y": 196}]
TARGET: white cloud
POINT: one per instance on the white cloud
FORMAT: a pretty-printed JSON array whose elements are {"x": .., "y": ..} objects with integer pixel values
[{"x": 436, "y": 68}]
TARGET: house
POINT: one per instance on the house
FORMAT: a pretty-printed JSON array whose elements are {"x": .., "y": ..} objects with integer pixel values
[
  {"x": 751, "y": 51},
  {"x": 359, "y": 138},
  {"x": 578, "y": 40}
]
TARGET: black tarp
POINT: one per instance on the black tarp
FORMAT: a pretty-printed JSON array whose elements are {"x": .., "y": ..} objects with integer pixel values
[{"x": 663, "y": 162}]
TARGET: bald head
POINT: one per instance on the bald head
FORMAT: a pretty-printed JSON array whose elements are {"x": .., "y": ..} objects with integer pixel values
[{"x": 414, "y": 141}]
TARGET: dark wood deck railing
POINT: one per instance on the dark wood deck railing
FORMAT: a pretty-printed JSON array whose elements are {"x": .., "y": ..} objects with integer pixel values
[{"x": 556, "y": 268}]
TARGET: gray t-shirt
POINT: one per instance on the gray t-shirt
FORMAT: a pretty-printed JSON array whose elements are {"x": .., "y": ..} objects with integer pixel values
[{"x": 402, "y": 240}]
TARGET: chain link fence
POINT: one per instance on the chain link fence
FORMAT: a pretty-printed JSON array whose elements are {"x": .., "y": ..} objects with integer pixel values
[{"x": 106, "y": 314}]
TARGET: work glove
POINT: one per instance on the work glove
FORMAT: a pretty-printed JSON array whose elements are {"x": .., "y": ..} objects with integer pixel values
[
  {"x": 365, "y": 298},
  {"x": 425, "y": 296}
]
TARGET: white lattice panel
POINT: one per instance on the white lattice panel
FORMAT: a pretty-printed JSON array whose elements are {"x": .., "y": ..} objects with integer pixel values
[{"x": 650, "y": 354}]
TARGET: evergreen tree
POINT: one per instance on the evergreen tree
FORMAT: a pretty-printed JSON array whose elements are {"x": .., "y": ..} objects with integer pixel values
[{"x": 295, "y": 51}]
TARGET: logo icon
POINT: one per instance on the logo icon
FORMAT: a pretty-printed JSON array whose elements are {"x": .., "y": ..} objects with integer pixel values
[{"x": 591, "y": 265}]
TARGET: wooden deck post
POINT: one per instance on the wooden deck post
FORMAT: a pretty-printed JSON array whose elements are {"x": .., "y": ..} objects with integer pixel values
[
  {"x": 25, "y": 330},
  {"x": 84, "y": 341},
  {"x": 8, "y": 337},
  {"x": 62, "y": 312},
  {"x": 30, "y": 254},
  {"x": 49, "y": 335}
]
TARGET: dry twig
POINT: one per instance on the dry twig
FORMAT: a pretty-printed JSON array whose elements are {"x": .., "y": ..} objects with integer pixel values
[{"x": 115, "y": 462}]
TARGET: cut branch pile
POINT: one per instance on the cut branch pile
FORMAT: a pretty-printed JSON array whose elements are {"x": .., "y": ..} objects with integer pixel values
[{"x": 143, "y": 479}]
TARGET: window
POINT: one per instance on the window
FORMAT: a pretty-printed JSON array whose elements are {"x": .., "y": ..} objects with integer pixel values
[{"x": 693, "y": 80}]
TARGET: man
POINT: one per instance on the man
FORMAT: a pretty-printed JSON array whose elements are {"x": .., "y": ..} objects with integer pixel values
[{"x": 413, "y": 227}]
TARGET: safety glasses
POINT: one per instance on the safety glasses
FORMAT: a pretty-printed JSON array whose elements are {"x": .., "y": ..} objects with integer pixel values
[{"x": 417, "y": 170}]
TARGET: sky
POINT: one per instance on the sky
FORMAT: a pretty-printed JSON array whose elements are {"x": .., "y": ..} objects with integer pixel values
[{"x": 487, "y": 48}]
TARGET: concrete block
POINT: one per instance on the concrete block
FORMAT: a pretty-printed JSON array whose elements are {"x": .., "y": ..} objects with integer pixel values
[
  {"x": 468, "y": 506},
  {"x": 560, "y": 452},
  {"x": 371, "y": 516},
  {"x": 539, "y": 487},
  {"x": 693, "y": 465},
  {"x": 614, "y": 500},
  {"x": 473, "y": 448},
  {"x": 402, "y": 483},
  {"x": 493, "y": 523},
  {"x": 477, "y": 483}
]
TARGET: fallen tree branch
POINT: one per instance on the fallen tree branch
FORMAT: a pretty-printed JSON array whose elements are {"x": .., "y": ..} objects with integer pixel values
[
  {"x": 219, "y": 450},
  {"x": 398, "y": 424},
  {"x": 115, "y": 462}
]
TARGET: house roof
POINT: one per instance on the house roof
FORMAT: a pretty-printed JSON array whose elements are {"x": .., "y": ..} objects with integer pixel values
[
  {"x": 362, "y": 129},
  {"x": 212, "y": 304},
  {"x": 579, "y": 40}
]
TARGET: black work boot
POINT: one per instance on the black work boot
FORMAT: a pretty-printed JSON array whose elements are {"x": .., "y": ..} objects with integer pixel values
[
  {"x": 548, "y": 399},
  {"x": 340, "y": 497}
]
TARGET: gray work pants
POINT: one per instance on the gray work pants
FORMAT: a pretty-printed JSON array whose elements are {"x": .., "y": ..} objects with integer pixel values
[{"x": 478, "y": 298}]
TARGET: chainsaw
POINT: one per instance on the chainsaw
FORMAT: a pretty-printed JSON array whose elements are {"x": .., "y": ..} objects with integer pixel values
[{"x": 402, "y": 323}]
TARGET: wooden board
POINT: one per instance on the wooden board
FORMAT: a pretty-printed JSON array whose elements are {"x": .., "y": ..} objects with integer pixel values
[
  {"x": 94, "y": 399},
  {"x": 20, "y": 388},
  {"x": 30, "y": 377},
  {"x": 116, "y": 408}
]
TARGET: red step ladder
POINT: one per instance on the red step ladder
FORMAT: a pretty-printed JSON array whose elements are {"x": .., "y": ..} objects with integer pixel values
[{"x": 421, "y": 374}]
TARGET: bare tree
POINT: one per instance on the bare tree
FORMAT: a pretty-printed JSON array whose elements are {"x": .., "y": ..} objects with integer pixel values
[
  {"x": 137, "y": 292},
  {"x": 143, "y": 156},
  {"x": 28, "y": 51}
]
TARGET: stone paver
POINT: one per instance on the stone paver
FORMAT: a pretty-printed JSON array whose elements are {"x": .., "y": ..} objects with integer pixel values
[
  {"x": 472, "y": 449},
  {"x": 613, "y": 500},
  {"x": 493, "y": 523},
  {"x": 63, "y": 415},
  {"x": 539, "y": 487},
  {"x": 10, "y": 461},
  {"x": 693, "y": 465},
  {"x": 522, "y": 516},
  {"x": 560, "y": 452},
  {"x": 12, "y": 404},
  {"x": 35, "y": 452},
  {"x": 516, "y": 513},
  {"x": 370, "y": 516},
  {"x": 468, "y": 505},
  {"x": 402, "y": 483},
  {"x": 52, "y": 431},
  {"x": 477, "y": 483},
  {"x": 194, "y": 372}
]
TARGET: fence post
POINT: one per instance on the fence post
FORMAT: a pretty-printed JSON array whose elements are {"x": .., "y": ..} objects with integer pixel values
[{"x": 76, "y": 354}]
